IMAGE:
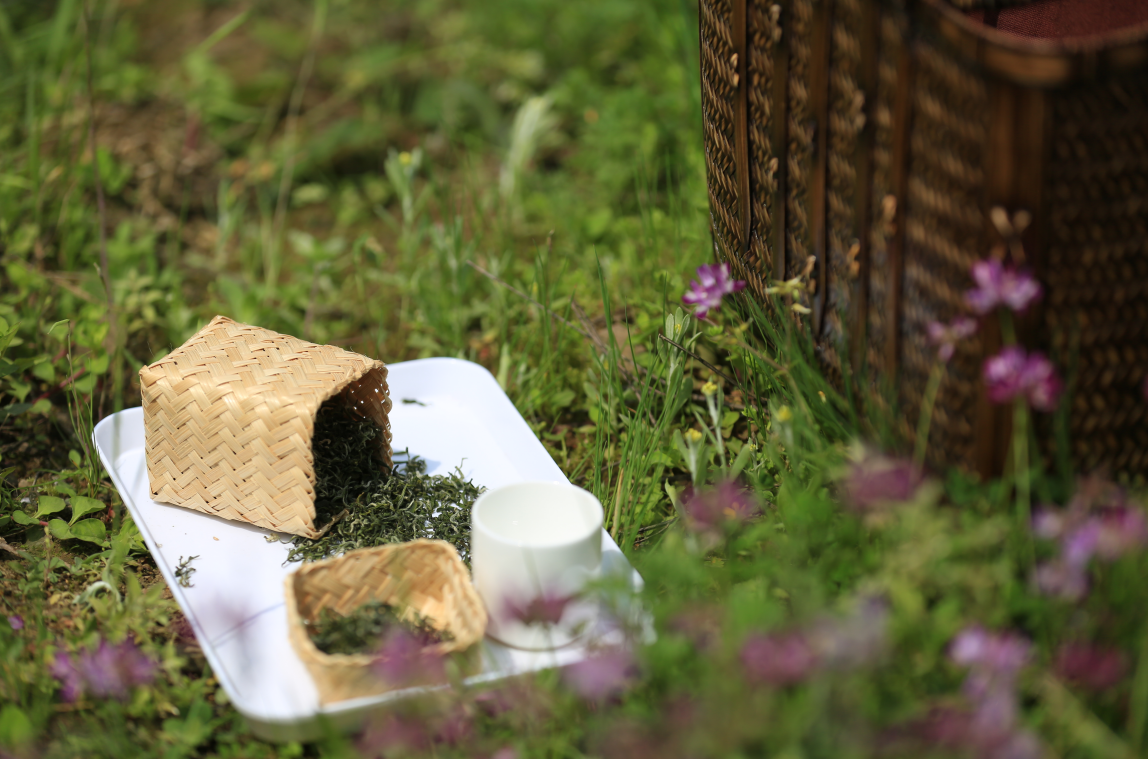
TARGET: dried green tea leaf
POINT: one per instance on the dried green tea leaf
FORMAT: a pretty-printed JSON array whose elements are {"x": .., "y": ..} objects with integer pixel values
[
  {"x": 360, "y": 503},
  {"x": 362, "y": 630}
]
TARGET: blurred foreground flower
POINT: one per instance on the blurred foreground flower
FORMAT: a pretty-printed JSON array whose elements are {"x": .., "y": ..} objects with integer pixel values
[
  {"x": 726, "y": 504},
  {"x": 777, "y": 658},
  {"x": 994, "y": 661},
  {"x": 544, "y": 609},
  {"x": 1000, "y": 285},
  {"x": 953, "y": 729},
  {"x": 392, "y": 735},
  {"x": 946, "y": 336},
  {"x": 876, "y": 481},
  {"x": 106, "y": 671},
  {"x": 602, "y": 675},
  {"x": 1015, "y": 374},
  {"x": 713, "y": 283},
  {"x": 1094, "y": 668},
  {"x": 16, "y": 622},
  {"x": 1099, "y": 522},
  {"x": 404, "y": 659}
]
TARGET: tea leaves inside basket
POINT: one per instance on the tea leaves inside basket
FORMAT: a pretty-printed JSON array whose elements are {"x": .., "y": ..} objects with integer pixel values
[
  {"x": 361, "y": 503},
  {"x": 362, "y": 630}
]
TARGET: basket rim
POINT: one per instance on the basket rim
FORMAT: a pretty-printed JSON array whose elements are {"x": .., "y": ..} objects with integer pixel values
[
  {"x": 440, "y": 649},
  {"x": 1039, "y": 62}
]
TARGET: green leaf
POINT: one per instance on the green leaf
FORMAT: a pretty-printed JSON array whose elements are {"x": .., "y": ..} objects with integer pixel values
[
  {"x": 74, "y": 457},
  {"x": 7, "y": 368},
  {"x": 19, "y": 517},
  {"x": 4, "y": 521},
  {"x": 50, "y": 504},
  {"x": 15, "y": 727},
  {"x": 740, "y": 462},
  {"x": 91, "y": 530},
  {"x": 14, "y": 409},
  {"x": 59, "y": 529},
  {"x": 82, "y": 505},
  {"x": 5, "y": 472}
]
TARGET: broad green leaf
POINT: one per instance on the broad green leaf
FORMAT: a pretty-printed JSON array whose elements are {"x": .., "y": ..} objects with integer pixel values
[
  {"x": 59, "y": 529},
  {"x": 15, "y": 727},
  {"x": 4, "y": 522},
  {"x": 50, "y": 504},
  {"x": 14, "y": 410},
  {"x": 7, "y": 368},
  {"x": 82, "y": 505},
  {"x": 74, "y": 457},
  {"x": 19, "y": 517},
  {"x": 91, "y": 530}
]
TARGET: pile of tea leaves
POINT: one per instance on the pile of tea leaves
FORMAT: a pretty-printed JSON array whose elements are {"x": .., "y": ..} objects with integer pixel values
[
  {"x": 361, "y": 631},
  {"x": 360, "y": 503}
]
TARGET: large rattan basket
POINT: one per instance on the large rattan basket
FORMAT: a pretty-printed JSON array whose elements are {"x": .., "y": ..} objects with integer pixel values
[
  {"x": 878, "y": 135},
  {"x": 228, "y": 419},
  {"x": 426, "y": 576}
]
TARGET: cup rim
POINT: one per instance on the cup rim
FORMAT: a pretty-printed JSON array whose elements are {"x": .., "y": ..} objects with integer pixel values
[{"x": 476, "y": 521}]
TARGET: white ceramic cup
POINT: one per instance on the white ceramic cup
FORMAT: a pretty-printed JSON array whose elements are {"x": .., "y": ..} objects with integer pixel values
[{"x": 535, "y": 540}]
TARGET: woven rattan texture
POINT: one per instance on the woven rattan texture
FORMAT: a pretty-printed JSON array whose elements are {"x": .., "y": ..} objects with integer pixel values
[
  {"x": 944, "y": 236},
  {"x": 877, "y": 327},
  {"x": 719, "y": 75},
  {"x": 228, "y": 418},
  {"x": 799, "y": 166},
  {"x": 763, "y": 33},
  {"x": 846, "y": 117},
  {"x": 1096, "y": 270},
  {"x": 425, "y": 576}
]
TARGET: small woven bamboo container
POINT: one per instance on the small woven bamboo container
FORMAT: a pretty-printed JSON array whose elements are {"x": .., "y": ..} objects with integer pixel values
[
  {"x": 426, "y": 576},
  {"x": 877, "y": 136},
  {"x": 228, "y": 419}
]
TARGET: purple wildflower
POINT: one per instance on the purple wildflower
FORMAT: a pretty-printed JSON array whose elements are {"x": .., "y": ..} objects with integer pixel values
[
  {"x": 545, "y": 609},
  {"x": 106, "y": 671},
  {"x": 506, "y": 752},
  {"x": 16, "y": 622},
  {"x": 602, "y": 675},
  {"x": 405, "y": 660},
  {"x": 951, "y": 728},
  {"x": 1013, "y": 374},
  {"x": 1120, "y": 530},
  {"x": 1062, "y": 579},
  {"x": 393, "y": 735},
  {"x": 1000, "y": 285},
  {"x": 946, "y": 336},
  {"x": 853, "y": 641},
  {"x": 728, "y": 503},
  {"x": 878, "y": 480},
  {"x": 1091, "y": 667},
  {"x": 1000, "y": 653},
  {"x": 777, "y": 658},
  {"x": 712, "y": 284}
]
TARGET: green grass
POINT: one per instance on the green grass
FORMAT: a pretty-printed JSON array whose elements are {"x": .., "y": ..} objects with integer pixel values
[{"x": 350, "y": 172}]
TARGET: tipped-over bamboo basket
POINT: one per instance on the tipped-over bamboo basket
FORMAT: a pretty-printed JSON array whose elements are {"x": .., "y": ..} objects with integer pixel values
[
  {"x": 425, "y": 576},
  {"x": 228, "y": 419}
]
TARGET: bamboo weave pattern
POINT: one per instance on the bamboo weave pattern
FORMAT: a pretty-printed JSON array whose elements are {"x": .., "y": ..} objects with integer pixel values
[
  {"x": 229, "y": 415},
  {"x": 426, "y": 576}
]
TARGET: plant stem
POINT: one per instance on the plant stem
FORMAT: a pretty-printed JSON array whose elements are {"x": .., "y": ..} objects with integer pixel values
[
  {"x": 927, "y": 403},
  {"x": 1021, "y": 474}
]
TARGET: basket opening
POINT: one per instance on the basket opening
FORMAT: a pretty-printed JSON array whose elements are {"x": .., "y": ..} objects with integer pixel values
[
  {"x": 1066, "y": 19},
  {"x": 347, "y": 451}
]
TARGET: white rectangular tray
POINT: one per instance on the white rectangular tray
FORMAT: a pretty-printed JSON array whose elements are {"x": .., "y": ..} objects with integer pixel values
[{"x": 236, "y": 604}]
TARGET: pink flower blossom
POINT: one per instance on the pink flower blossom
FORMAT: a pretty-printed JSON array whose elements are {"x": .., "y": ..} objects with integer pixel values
[
  {"x": 946, "y": 336},
  {"x": 16, "y": 622},
  {"x": 602, "y": 675},
  {"x": 404, "y": 660},
  {"x": 1000, "y": 285},
  {"x": 1014, "y": 374},
  {"x": 544, "y": 609},
  {"x": 395, "y": 734},
  {"x": 728, "y": 503},
  {"x": 1002, "y": 653},
  {"x": 778, "y": 658},
  {"x": 713, "y": 283},
  {"x": 106, "y": 671},
  {"x": 878, "y": 481},
  {"x": 1061, "y": 579},
  {"x": 1092, "y": 667}
]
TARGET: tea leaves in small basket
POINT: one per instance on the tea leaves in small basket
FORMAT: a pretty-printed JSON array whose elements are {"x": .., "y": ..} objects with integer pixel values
[{"x": 362, "y": 630}]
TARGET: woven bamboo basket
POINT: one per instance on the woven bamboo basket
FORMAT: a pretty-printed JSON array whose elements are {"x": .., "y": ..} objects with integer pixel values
[
  {"x": 878, "y": 135},
  {"x": 426, "y": 576},
  {"x": 228, "y": 419}
]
